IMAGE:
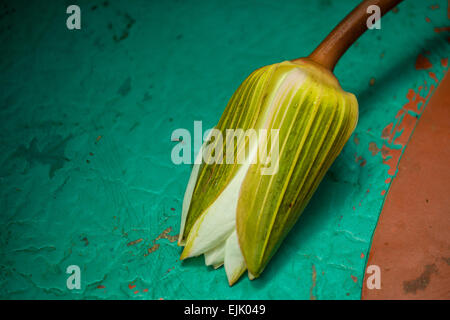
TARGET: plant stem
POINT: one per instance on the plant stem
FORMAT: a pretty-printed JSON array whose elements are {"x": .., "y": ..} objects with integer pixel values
[{"x": 347, "y": 32}]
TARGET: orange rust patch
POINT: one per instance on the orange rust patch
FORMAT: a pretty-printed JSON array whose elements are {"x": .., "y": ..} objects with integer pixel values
[
  {"x": 441, "y": 29},
  {"x": 152, "y": 249},
  {"x": 433, "y": 76},
  {"x": 444, "y": 62},
  {"x": 422, "y": 62},
  {"x": 132, "y": 243},
  {"x": 399, "y": 132},
  {"x": 165, "y": 235},
  {"x": 359, "y": 159},
  {"x": 373, "y": 148}
]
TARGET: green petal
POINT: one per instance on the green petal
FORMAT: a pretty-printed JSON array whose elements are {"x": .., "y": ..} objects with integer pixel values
[{"x": 315, "y": 121}]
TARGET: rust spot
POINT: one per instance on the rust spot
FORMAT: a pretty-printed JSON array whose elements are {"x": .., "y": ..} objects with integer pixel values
[
  {"x": 101, "y": 286},
  {"x": 441, "y": 29},
  {"x": 152, "y": 249},
  {"x": 372, "y": 81},
  {"x": 433, "y": 76},
  {"x": 427, "y": 19},
  {"x": 356, "y": 139},
  {"x": 383, "y": 192},
  {"x": 360, "y": 158},
  {"x": 355, "y": 279},
  {"x": 165, "y": 235},
  {"x": 86, "y": 241},
  {"x": 134, "y": 242},
  {"x": 386, "y": 133},
  {"x": 434, "y": 7},
  {"x": 422, "y": 62},
  {"x": 444, "y": 62},
  {"x": 131, "y": 286},
  {"x": 373, "y": 148},
  {"x": 412, "y": 286}
]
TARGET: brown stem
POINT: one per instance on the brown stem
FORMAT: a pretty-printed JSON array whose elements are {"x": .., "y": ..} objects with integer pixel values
[{"x": 347, "y": 32}]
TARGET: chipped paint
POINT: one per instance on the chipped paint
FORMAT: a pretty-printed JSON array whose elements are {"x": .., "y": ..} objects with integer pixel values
[
  {"x": 422, "y": 62},
  {"x": 441, "y": 29},
  {"x": 132, "y": 243},
  {"x": 397, "y": 133},
  {"x": 165, "y": 235}
]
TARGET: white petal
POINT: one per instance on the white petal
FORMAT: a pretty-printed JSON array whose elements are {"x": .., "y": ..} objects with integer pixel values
[
  {"x": 216, "y": 256},
  {"x": 219, "y": 220},
  {"x": 234, "y": 260}
]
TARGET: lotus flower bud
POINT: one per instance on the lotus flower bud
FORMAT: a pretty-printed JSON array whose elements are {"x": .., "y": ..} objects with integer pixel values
[{"x": 280, "y": 132}]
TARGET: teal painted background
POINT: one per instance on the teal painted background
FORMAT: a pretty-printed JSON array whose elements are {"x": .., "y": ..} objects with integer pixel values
[{"x": 86, "y": 118}]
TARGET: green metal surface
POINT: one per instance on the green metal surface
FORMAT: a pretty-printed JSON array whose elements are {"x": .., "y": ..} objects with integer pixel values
[{"x": 86, "y": 118}]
